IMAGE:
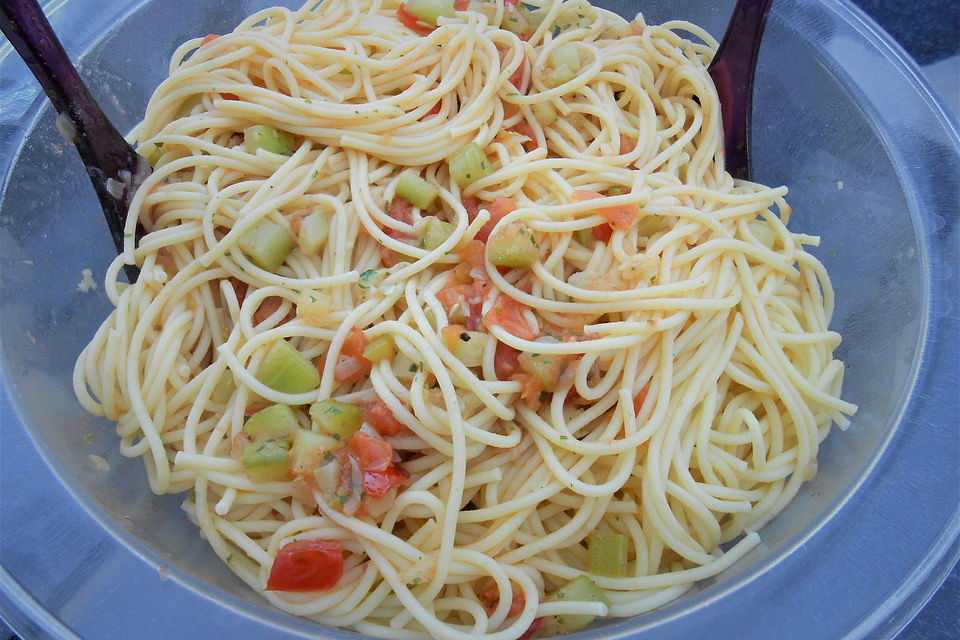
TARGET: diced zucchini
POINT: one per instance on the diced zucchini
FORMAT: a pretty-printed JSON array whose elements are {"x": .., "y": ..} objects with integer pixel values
[
  {"x": 534, "y": 17},
  {"x": 546, "y": 367},
  {"x": 371, "y": 278},
  {"x": 267, "y": 245},
  {"x": 286, "y": 371},
  {"x": 515, "y": 21},
  {"x": 379, "y": 349},
  {"x": 339, "y": 419},
  {"x": 261, "y": 136},
  {"x": 415, "y": 190},
  {"x": 187, "y": 107},
  {"x": 313, "y": 307},
  {"x": 434, "y": 231},
  {"x": 513, "y": 245},
  {"x": 224, "y": 388},
  {"x": 467, "y": 346},
  {"x": 649, "y": 225},
  {"x": 585, "y": 237},
  {"x": 565, "y": 63},
  {"x": 468, "y": 164},
  {"x": 314, "y": 230},
  {"x": 567, "y": 54},
  {"x": 580, "y": 589},
  {"x": 607, "y": 554},
  {"x": 558, "y": 76},
  {"x": 309, "y": 450},
  {"x": 430, "y": 10},
  {"x": 544, "y": 113},
  {"x": 265, "y": 461},
  {"x": 277, "y": 421}
]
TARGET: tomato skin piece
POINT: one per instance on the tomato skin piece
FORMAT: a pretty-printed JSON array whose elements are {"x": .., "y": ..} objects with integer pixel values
[
  {"x": 351, "y": 365},
  {"x": 306, "y": 565},
  {"x": 640, "y": 397},
  {"x": 229, "y": 96},
  {"x": 372, "y": 454},
  {"x": 207, "y": 39},
  {"x": 505, "y": 361},
  {"x": 497, "y": 209},
  {"x": 507, "y": 313},
  {"x": 532, "y": 630},
  {"x": 411, "y": 22},
  {"x": 461, "y": 5},
  {"x": 379, "y": 416},
  {"x": 620, "y": 216},
  {"x": 530, "y": 387}
]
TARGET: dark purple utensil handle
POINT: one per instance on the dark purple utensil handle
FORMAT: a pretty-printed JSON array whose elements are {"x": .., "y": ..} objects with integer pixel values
[
  {"x": 732, "y": 72},
  {"x": 104, "y": 151}
]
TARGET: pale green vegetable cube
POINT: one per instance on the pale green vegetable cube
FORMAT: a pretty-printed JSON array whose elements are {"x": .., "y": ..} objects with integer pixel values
[
  {"x": 277, "y": 421},
  {"x": 188, "y": 105},
  {"x": 513, "y": 245},
  {"x": 546, "y": 367},
  {"x": 379, "y": 349},
  {"x": 265, "y": 461},
  {"x": 431, "y": 10},
  {"x": 607, "y": 554},
  {"x": 468, "y": 164},
  {"x": 415, "y": 190},
  {"x": 580, "y": 589},
  {"x": 309, "y": 450},
  {"x": 267, "y": 245},
  {"x": 224, "y": 388},
  {"x": 264, "y": 137},
  {"x": 434, "y": 232},
  {"x": 339, "y": 419},
  {"x": 286, "y": 371},
  {"x": 314, "y": 230}
]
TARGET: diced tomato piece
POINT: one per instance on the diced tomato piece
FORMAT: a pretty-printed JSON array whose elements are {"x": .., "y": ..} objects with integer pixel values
[
  {"x": 229, "y": 96},
  {"x": 207, "y": 39},
  {"x": 372, "y": 454},
  {"x": 513, "y": 2},
  {"x": 355, "y": 343},
  {"x": 497, "y": 209},
  {"x": 379, "y": 416},
  {"x": 508, "y": 314},
  {"x": 378, "y": 483},
  {"x": 640, "y": 397},
  {"x": 468, "y": 301},
  {"x": 350, "y": 369},
  {"x": 461, "y": 5},
  {"x": 532, "y": 629},
  {"x": 412, "y": 22},
  {"x": 524, "y": 128},
  {"x": 490, "y": 598},
  {"x": 400, "y": 210},
  {"x": 306, "y": 565},
  {"x": 602, "y": 232},
  {"x": 530, "y": 387},
  {"x": 434, "y": 110},
  {"x": 620, "y": 216},
  {"x": 505, "y": 361},
  {"x": 351, "y": 365},
  {"x": 470, "y": 263},
  {"x": 627, "y": 145}
]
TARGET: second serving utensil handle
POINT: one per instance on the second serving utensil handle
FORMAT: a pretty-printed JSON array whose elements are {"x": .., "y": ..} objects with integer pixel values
[{"x": 732, "y": 71}]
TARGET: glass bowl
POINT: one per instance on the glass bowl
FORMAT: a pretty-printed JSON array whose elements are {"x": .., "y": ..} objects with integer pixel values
[{"x": 842, "y": 118}]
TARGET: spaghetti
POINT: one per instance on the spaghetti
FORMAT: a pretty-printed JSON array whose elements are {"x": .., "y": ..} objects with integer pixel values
[{"x": 573, "y": 337}]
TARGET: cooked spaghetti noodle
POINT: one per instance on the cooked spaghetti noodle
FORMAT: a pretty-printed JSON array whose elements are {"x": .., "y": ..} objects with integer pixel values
[{"x": 689, "y": 376}]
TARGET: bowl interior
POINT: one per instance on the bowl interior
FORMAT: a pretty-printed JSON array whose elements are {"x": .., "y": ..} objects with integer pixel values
[{"x": 811, "y": 133}]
